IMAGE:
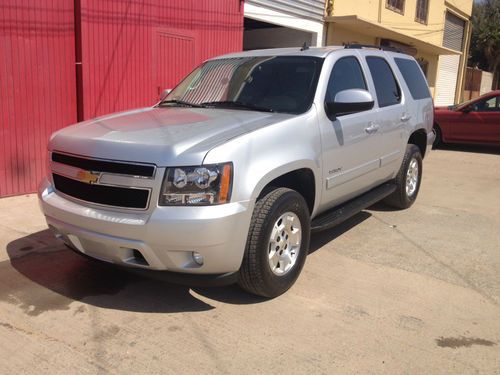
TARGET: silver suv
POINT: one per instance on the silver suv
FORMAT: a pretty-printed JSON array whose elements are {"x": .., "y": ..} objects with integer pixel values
[{"x": 225, "y": 178}]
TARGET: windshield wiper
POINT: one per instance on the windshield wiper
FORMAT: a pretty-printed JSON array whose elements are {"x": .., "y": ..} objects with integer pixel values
[
  {"x": 238, "y": 105},
  {"x": 182, "y": 102}
]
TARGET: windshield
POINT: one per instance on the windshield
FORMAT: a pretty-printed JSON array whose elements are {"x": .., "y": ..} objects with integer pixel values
[
  {"x": 463, "y": 105},
  {"x": 271, "y": 83}
]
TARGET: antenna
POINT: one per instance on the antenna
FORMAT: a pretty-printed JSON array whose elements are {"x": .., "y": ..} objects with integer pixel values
[{"x": 304, "y": 47}]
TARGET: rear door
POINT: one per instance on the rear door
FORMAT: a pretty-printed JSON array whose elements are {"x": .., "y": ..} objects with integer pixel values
[{"x": 392, "y": 116}]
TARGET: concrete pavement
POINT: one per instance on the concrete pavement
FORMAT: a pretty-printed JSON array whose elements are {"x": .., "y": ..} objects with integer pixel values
[{"x": 414, "y": 291}]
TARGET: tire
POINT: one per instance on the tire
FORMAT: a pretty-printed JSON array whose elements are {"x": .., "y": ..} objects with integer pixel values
[
  {"x": 402, "y": 197},
  {"x": 268, "y": 276},
  {"x": 439, "y": 137}
]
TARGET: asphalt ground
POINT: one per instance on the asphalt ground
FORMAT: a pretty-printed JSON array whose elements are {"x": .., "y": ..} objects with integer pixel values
[{"x": 415, "y": 291}]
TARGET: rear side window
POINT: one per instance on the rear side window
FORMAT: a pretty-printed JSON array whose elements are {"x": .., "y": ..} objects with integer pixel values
[
  {"x": 414, "y": 78},
  {"x": 346, "y": 74},
  {"x": 386, "y": 86}
]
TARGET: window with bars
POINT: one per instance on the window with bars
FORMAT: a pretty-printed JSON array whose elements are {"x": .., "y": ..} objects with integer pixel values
[
  {"x": 422, "y": 11},
  {"x": 396, "y": 5}
]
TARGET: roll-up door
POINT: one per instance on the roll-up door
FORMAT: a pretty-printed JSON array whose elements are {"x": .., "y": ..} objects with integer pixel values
[
  {"x": 447, "y": 79},
  {"x": 453, "y": 32},
  {"x": 453, "y": 37},
  {"x": 308, "y": 9}
]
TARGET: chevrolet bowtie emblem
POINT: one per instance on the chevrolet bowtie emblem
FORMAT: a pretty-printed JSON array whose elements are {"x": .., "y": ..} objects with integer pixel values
[{"x": 87, "y": 176}]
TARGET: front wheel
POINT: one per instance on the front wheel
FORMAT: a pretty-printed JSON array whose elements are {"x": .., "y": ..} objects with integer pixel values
[
  {"x": 277, "y": 244},
  {"x": 408, "y": 179}
]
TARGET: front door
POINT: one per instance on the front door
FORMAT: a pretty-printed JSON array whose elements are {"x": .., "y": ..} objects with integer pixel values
[
  {"x": 393, "y": 115},
  {"x": 350, "y": 151},
  {"x": 481, "y": 124}
]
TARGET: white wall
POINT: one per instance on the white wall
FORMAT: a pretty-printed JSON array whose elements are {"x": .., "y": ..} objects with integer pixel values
[
  {"x": 276, "y": 37},
  {"x": 283, "y": 19},
  {"x": 486, "y": 82}
]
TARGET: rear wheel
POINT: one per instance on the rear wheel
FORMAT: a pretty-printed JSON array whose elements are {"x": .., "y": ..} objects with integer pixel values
[
  {"x": 407, "y": 180},
  {"x": 277, "y": 245}
]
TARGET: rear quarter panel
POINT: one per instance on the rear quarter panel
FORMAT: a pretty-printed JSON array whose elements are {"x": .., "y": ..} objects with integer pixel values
[{"x": 420, "y": 110}]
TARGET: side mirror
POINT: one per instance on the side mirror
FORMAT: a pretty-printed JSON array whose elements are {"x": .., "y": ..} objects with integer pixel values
[
  {"x": 466, "y": 109},
  {"x": 349, "y": 101},
  {"x": 164, "y": 94}
]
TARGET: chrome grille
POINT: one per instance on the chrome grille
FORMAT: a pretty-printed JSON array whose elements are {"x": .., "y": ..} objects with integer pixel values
[{"x": 102, "y": 182}]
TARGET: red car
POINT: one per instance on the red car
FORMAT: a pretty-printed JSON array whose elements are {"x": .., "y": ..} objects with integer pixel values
[{"x": 476, "y": 121}]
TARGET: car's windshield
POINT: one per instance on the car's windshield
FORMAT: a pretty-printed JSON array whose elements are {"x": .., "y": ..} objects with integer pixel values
[
  {"x": 463, "y": 105},
  {"x": 270, "y": 83}
]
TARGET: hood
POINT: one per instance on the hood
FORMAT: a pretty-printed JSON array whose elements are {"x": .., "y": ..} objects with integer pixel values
[
  {"x": 444, "y": 115},
  {"x": 163, "y": 136}
]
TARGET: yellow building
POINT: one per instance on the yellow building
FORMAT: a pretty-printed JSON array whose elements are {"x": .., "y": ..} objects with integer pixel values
[{"x": 435, "y": 32}]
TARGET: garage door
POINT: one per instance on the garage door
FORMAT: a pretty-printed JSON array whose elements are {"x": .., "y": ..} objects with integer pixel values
[
  {"x": 446, "y": 85},
  {"x": 447, "y": 79}
]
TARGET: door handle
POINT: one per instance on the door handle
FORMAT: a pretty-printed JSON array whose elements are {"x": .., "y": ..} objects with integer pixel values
[
  {"x": 405, "y": 118},
  {"x": 372, "y": 128}
]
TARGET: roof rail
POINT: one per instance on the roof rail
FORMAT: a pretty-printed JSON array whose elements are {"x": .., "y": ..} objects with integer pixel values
[{"x": 382, "y": 48}]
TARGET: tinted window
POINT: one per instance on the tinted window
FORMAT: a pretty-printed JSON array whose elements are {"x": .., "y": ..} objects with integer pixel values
[
  {"x": 388, "y": 91},
  {"x": 346, "y": 74},
  {"x": 414, "y": 78}
]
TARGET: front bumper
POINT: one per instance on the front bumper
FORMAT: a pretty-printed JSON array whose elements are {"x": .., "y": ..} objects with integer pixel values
[{"x": 162, "y": 240}]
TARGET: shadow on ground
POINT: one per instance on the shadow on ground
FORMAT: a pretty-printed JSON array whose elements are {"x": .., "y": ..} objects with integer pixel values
[
  {"x": 318, "y": 240},
  {"x": 478, "y": 149},
  {"x": 43, "y": 275}
]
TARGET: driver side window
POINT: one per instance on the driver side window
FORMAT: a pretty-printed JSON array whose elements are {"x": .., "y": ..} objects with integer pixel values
[
  {"x": 346, "y": 74},
  {"x": 489, "y": 105}
]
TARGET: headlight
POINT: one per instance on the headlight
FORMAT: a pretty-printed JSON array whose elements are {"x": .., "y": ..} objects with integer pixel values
[{"x": 197, "y": 186}]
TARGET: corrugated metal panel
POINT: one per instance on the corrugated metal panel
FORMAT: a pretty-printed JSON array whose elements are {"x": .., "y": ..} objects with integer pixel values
[
  {"x": 453, "y": 32},
  {"x": 447, "y": 79},
  {"x": 132, "y": 47},
  {"x": 309, "y": 9},
  {"x": 172, "y": 49},
  {"x": 37, "y": 86}
]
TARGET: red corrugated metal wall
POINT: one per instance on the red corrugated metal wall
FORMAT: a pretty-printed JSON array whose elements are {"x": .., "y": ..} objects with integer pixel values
[
  {"x": 130, "y": 50},
  {"x": 37, "y": 86},
  {"x": 133, "y": 49}
]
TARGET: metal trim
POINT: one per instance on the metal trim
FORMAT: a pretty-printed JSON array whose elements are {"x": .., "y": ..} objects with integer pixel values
[
  {"x": 155, "y": 168},
  {"x": 101, "y": 174},
  {"x": 71, "y": 198}
]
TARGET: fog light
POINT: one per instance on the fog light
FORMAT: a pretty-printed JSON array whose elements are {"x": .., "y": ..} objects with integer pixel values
[{"x": 198, "y": 258}]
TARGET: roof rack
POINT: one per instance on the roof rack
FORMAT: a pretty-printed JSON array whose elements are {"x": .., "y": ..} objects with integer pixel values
[{"x": 382, "y": 48}]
